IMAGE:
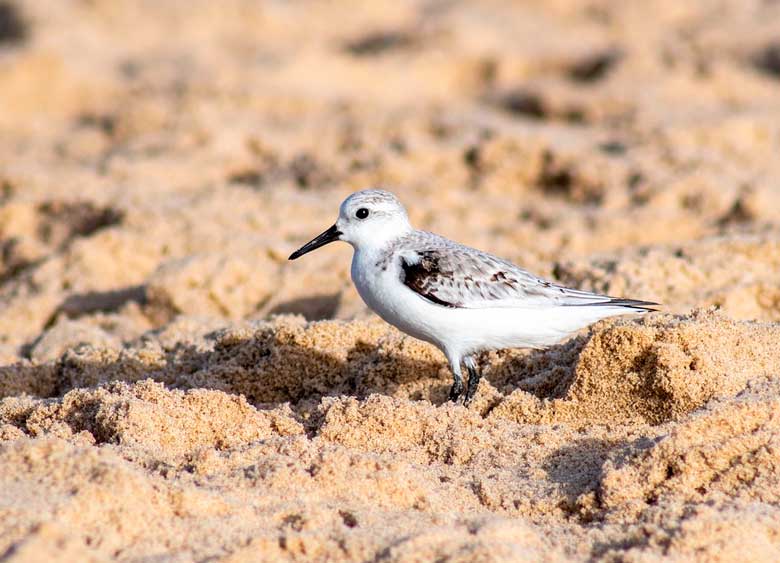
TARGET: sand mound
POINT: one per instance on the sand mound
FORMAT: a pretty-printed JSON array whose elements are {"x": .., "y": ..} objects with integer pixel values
[
  {"x": 651, "y": 372},
  {"x": 172, "y": 388}
]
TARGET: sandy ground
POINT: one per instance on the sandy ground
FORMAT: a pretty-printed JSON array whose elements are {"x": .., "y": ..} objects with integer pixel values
[{"x": 174, "y": 390}]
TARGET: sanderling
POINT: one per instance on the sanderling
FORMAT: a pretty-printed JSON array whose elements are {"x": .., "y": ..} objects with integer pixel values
[{"x": 460, "y": 299}]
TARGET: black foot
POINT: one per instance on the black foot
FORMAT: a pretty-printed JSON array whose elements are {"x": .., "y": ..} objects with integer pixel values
[
  {"x": 474, "y": 377},
  {"x": 456, "y": 390}
]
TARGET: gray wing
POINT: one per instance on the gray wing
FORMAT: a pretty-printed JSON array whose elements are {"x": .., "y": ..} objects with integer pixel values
[{"x": 453, "y": 275}]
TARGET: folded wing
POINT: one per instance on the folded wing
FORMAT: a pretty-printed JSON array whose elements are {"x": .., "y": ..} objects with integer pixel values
[{"x": 452, "y": 275}]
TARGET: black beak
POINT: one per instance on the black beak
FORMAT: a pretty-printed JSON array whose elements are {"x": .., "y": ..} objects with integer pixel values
[{"x": 328, "y": 236}]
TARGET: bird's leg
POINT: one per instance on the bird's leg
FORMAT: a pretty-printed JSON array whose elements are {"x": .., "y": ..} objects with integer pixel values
[
  {"x": 474, "y": 377},
  {"x": 457, "y": 386}
]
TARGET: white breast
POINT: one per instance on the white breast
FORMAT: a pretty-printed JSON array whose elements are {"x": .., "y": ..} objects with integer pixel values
[
  {"x": 379, "y": 285},
  {"x": 374, "y": 281}
]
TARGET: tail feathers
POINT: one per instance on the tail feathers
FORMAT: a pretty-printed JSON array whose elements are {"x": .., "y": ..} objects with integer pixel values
[{"x": 636, "y": 304}]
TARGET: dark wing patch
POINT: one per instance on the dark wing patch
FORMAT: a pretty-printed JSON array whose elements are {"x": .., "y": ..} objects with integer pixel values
[{"x": 425, "y": 275}]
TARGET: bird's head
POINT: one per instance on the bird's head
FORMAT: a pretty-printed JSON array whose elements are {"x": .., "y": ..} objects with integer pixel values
[{"x": 367, "y": 219}]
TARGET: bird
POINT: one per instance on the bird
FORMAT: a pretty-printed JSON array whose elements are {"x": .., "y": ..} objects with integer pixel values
[{"x": 462, "y": 300}]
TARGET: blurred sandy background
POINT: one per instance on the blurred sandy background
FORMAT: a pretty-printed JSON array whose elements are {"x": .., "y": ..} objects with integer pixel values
[{"x": 175, "y": 390}]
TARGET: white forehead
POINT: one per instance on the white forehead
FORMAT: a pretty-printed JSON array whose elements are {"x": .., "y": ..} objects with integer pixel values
[{"x": 376, "y": 200}]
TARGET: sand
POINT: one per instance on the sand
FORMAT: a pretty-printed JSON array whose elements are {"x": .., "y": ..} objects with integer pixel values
[{"x": 173, "y": 389}]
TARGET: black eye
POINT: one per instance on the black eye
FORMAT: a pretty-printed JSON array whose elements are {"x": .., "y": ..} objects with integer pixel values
[{"x": 361, "y": 213}]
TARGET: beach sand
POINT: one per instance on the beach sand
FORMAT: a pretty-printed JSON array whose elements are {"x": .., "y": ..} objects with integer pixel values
[{"x": 173, "y": 389}]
